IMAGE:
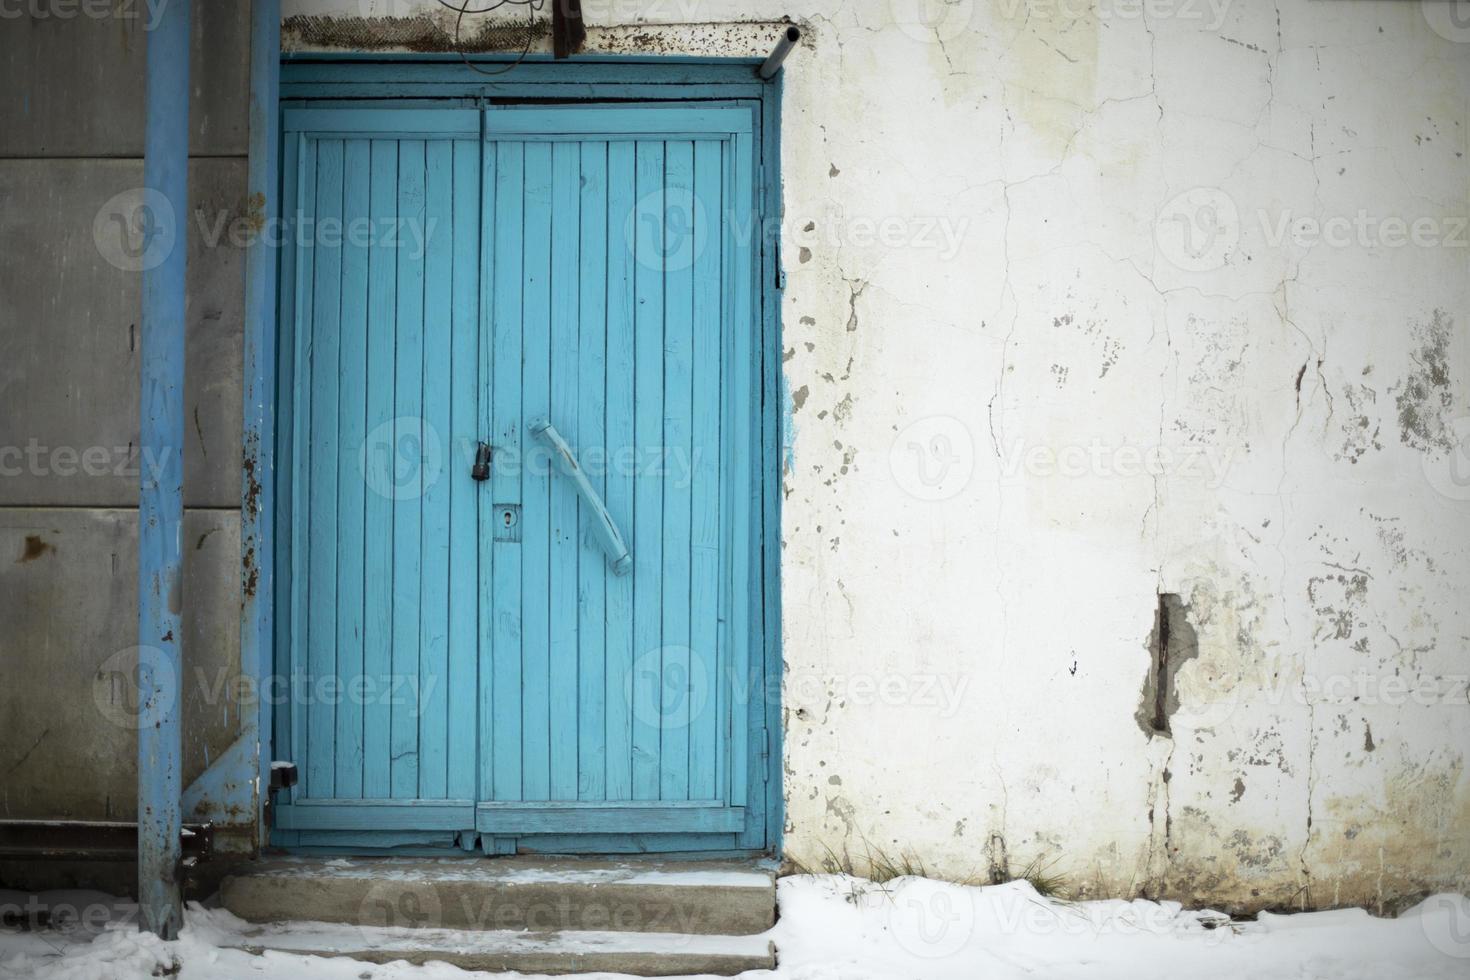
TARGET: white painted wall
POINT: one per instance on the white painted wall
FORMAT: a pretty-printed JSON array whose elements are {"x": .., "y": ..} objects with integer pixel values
[{"x": 1024, "y": 403}]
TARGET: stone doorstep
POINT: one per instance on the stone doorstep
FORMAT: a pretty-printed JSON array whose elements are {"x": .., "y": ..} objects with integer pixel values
[
  {"x": 638, "y": 954},
  {"x": 513, "y": 895}
]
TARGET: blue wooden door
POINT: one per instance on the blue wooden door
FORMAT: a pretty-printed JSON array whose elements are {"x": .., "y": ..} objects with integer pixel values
[{"x": 553, "y": 651}]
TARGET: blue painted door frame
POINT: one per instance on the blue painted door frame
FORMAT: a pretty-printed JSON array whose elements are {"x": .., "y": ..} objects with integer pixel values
[{"x": 567, "y": 826}]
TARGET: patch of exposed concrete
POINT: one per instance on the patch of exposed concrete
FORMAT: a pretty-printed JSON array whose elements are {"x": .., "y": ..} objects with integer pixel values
[
  {"x": 1171, "y": 645},
  {"x": 1425, "y": 396}
]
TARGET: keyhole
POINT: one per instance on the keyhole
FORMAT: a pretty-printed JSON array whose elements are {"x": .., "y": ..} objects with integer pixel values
[{"x": 510, "y": 523}]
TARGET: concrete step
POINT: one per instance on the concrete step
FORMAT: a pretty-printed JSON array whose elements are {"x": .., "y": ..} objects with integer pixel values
[
  {"x": 525, "y": 893},
  {"x": 637, "y": 953}
]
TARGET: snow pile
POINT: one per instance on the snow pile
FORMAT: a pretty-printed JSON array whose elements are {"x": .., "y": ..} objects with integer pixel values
[
  {"x": 838, "y": 927},
  {"x": 835, "y": 927},
  {"x": 120, "y": 952}
]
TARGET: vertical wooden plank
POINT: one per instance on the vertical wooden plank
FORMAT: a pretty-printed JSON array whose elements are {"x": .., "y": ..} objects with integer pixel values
[
  {"x": 407, "y": 459},
  {"x": 621, "y": 196},
  {"x": 749, "y": 539},
  {"x": 378, "y": 473},
  {"x": 764, "y": 822},
  {"x": 505, "y": 226},
  {"x": 648, "y": 355},
  {"x": 728, "y": 682},
  {"x": 464, "y": 542},
  {"x": 351, "y": 487},
  {"x": 565, "y": 543},
  {"x": 536, "y": 480},
  {"x": 761, "y": 716},
  {"x": 743, "y": 463},
  {"x": 438, "y": 464},
  {"x": 671, "y": 462},
  {"x": 303, "y": 269},
  {"x": 325, "y": 370},
  {"x": 591, "y": 440},
  {"x": 704, "y": 475},
  {"x": 485, "y": 499}
]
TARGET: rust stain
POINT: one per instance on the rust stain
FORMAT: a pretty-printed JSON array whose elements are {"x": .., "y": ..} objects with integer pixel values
[
  {"x": 252, "y": 508},
  {"x": 252, "y": 573},
  {"x": 255, "y": 212},
  {"x": 252, "y": 482},
  {"x": 35, "y": 547}
]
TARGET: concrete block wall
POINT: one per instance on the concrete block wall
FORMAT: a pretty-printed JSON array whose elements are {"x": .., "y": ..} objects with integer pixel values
[{"x": 71, "y": 144}]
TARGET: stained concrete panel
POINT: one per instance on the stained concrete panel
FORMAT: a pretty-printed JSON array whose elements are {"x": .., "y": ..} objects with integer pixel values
[
  {"x": 69, "y": 604},
  {"x": 72, "y": 82},
  {"x": 69, "y": 358}
]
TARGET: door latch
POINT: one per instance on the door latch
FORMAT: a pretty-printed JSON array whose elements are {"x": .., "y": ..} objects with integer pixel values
[{"x": 481, "y": 470}]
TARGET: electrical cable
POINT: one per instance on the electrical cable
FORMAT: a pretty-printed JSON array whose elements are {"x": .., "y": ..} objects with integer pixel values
[{"x": 535, "y": 7}]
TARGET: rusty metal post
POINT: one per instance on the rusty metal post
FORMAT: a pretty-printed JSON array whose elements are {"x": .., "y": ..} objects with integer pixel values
[{"x": 160, "y": 497}]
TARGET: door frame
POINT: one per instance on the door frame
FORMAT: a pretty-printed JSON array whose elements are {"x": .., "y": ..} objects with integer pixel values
[{"x": 323, "y": 80}]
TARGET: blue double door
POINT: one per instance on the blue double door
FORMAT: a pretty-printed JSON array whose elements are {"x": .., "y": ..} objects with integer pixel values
[{"x": 520, "y": 347}]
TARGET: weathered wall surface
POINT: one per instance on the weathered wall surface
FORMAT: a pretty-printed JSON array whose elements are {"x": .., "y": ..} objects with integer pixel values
[
  {"x": 71, "y": 144},
  {"x": 1090, "y": 302},
  {"x": 1123, "y": 382}
]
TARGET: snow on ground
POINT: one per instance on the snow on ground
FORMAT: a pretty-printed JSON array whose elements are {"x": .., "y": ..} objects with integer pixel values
[
  {"x": 916, "y": 928},
  {"x": 838, "y": 927}
]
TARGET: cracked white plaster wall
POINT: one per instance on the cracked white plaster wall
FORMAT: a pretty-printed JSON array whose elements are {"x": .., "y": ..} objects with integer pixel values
[{"x": 1303, "y": 403}]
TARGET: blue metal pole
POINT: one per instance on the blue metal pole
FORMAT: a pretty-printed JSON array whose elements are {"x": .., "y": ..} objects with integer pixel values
[
  {"x": 257, "y": 504},
  {"x": 160, "y": 498}
]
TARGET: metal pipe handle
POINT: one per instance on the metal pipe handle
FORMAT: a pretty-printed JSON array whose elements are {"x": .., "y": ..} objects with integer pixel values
[{"x": 612, "y": 541}]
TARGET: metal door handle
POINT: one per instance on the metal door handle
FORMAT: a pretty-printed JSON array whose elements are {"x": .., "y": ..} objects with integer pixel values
[
  {"x": 612, "y": 541},
  {"x": 480, "y": 471}
]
